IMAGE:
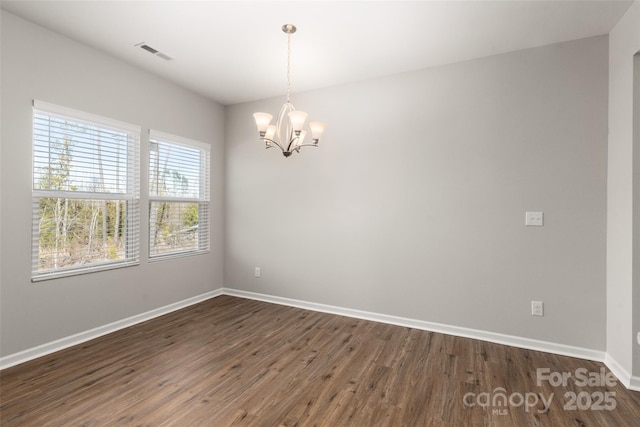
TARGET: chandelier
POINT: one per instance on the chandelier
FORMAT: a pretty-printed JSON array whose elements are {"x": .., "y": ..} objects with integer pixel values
[{"x": 288, "y": 133}]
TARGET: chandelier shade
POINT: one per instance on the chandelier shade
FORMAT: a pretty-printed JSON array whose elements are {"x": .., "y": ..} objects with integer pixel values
[{"x": 289, "y": 131}]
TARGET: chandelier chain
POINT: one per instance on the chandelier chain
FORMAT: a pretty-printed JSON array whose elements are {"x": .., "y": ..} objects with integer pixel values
[{"x": 288, "y": 67}]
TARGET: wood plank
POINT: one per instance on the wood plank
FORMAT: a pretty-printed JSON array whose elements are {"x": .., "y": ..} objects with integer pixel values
[{"x": 235, "y": 362}]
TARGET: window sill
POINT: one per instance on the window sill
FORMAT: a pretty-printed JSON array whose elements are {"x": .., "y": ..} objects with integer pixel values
[{"x": 80, "y": 271}]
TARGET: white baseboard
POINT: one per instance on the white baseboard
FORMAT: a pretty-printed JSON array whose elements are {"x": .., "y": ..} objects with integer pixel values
[
  {"x": 618, "y": 370},
  {"x": 629, "y": 381},
  {"x": 515, "y": 341},
  {"x": 57, "y": 345}
]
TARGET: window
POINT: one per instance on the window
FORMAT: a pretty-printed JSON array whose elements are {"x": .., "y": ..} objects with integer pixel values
[
  {"x": 178, "y": 196},
  {"x": 86, "y": 195}
]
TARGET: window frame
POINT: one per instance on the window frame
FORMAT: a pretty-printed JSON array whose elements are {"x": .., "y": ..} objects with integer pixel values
[
  {"x": 131, "y": 195},
  {"x": 203, "y": 199}
]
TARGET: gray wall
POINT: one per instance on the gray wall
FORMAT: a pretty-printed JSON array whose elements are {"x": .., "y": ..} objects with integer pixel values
[
  {"x": 414, "y": 205},
  {"x": 624, "y": 42},
  {"x": 37, "y": 63}
]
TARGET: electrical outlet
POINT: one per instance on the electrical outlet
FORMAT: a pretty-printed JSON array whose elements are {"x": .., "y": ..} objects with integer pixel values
[
  {"x": 534, "y": 218},
  {"x": 257, "y": 272},
  {"x": 537, "y": 308}
]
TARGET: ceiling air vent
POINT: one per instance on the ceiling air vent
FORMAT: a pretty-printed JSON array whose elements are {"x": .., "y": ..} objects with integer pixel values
[{"x": 155, "y": 52}]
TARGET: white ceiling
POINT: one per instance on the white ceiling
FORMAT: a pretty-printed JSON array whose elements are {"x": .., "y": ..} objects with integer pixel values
[{"x": 235, "y": 51}]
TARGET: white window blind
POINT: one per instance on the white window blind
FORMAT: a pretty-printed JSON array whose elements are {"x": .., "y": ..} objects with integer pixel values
[
  {"x": 86, "y": 193},
  {"x": 178, "y": 196}
]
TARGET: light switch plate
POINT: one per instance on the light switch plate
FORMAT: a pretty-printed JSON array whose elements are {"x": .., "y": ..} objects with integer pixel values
[{"x": 534, "y": 218}]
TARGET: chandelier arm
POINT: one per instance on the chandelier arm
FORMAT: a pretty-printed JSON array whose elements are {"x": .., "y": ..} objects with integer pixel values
[
  {"x": 291, "y": 141},
  {"x": 271, "y": 141}
]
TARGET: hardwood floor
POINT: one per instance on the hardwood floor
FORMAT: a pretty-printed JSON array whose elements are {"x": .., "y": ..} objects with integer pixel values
[{"x": 230, "y": 361}]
